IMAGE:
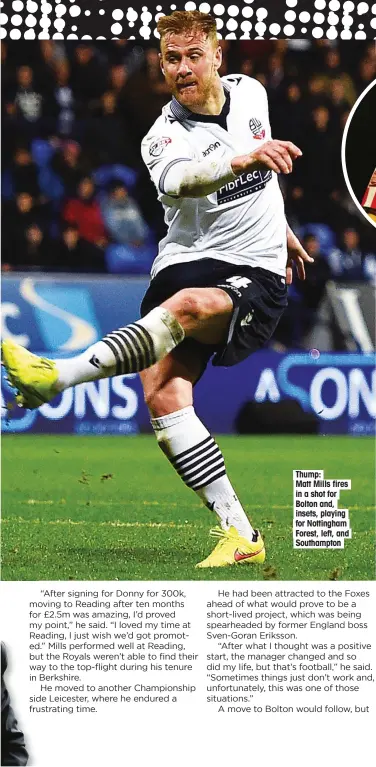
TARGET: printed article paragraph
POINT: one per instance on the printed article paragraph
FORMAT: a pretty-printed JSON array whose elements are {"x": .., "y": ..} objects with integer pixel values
[{"x": 226, "y": 647}]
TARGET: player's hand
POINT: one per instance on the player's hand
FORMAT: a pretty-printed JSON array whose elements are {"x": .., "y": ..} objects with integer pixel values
[
  {"x": 277, "y": 155},
  {"x": 297, "y": 255},
  {"x": 274, "y": 155}
]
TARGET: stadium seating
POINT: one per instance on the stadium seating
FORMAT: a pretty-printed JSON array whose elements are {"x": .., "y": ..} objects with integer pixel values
[
  {"x": 42, "y": 152},
  {"x": 106, "y": 174},
  {"x": 128, "y": 259},
  {"x": 323, "y": 233}
]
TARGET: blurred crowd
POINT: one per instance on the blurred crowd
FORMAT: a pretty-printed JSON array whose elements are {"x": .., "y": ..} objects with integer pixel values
[{"x": 76, "y": 196}]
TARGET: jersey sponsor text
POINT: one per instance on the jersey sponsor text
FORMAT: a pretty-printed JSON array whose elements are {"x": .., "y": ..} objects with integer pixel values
[{"x": 247, "y": 183}]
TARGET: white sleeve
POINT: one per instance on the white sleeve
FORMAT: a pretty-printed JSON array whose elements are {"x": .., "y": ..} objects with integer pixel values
[
  {"x": 260, "y": 97},
  {"x": 177, "y": 173},
  {"x": 161, "y": 154},
  {"x": 254, "y": 99}
]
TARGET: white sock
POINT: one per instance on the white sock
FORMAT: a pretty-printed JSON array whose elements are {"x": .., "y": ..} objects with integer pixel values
[
  {"x": 198, "y": 460},
  {"x": 126, "y": 350}
]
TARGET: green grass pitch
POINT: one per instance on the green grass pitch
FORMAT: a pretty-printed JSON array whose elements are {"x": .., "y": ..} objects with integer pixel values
[{"x": 112, "y": 508}]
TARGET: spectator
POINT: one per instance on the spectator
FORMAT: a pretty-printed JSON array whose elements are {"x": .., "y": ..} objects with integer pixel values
[
  {"x": 11, "y": 134},
  {"x": 155, "y": 76},
  {"x": 125, "y": 52},
  {"x": 28, "y": 100},
  {"x": 261, "y": 77},
  {"x": 366, "y": 73},
  {"x": 334, "y": 71},
  {"x": 289, "y": 113},
  {"x": 346, "y": 262},
  {"x": 88, "y": 77},
  {"x": 369, "y": 268},
  {"x": 64, "y": 98},
  {"x": 84, "y": 211},
  {"x": 247, "y": 67},
  {"x": 339, "y": 98},
  {"x": 304, "y": 298},
  {"x": 321, "y": 164},
  {"x": 144, "y": 95},
  {"x": 295, "y": 204},
  {"x": 317, "y": 92},
  {"x": 24, "y": 242},
  {"x": 276, "y": 71},
  {"x": 371, "y": 51},
  {"x": 24, "y": 206},
  {"x": 70, "y": 166},
  {"x": 24, "y": 172},
  {"x": 317, "y": 275},
  {"x": 312, "y": 246},
  {"x": 344, "y": 117},
  {"x": 109, "y": 136},
  {"x": 321, "y": 121},
  {"x": 312, "y": 289},
  {"x": 37, "y": 251},
  {"x": 118, "y": 78},
  {"x": 51, "y": 53},
  {"x": 21, "y": 214},
  {"x": 74, "y": 254},
  {"x": 6, "y": 71},
  {"x": 250, "y": 49},
  {"x": 17, "y": 217},
  {"x": 123, "y": 218}
]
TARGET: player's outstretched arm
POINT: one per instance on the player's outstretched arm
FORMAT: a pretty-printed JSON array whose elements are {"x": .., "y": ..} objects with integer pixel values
[{"x": 192, "y": 178}]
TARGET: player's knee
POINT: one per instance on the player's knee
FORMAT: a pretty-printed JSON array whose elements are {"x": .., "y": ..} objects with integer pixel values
[
  {"x": 160, "y": 401},
  {"x": 189, "y": 305},
  {"x": 153, "y": 399},
  {"x": 194, "y": 306}
]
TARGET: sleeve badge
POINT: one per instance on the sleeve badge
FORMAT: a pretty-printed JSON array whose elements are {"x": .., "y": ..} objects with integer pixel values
[{"x": 157, "y": 147}]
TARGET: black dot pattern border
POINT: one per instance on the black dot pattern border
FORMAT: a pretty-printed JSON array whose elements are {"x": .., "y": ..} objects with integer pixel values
[{"x": 249, "y": 19}]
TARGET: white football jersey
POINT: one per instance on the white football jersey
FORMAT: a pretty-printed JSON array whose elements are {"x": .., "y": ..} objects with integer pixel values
[{"x": 244, "y": 221}]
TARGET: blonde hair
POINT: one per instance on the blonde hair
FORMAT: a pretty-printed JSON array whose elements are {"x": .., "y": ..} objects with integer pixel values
[{"x": 183, "y": 22}]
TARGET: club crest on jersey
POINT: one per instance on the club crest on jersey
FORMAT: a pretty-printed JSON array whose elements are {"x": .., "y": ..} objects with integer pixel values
[
  {"x": 256, "y": 128},
  {"x": 157, "y": 147}
]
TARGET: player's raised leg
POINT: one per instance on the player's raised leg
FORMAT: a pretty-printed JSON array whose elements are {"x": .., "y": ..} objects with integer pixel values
[
  {"x": 196, "y": 457},
  {"x": 198, "y": 312},
  {"x": 126, "y": 350}
]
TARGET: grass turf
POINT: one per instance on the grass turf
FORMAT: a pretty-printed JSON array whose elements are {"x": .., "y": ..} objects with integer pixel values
[{"x": 112, "y": 508}]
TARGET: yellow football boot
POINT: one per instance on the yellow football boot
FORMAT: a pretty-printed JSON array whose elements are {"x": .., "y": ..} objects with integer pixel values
[
  {"x": 35, "y": 378},
  {"x": 233, "y": 549}
]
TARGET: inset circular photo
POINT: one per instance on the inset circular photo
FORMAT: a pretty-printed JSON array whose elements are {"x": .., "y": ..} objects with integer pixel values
[{"x": 359, "y": 153}]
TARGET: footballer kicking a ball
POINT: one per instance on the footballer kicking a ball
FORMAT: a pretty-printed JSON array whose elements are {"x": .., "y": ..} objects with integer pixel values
[{"x": 218, "y": 283}]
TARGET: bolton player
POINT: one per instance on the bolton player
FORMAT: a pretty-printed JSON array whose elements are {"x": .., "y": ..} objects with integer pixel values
[{"x": 218, "y": 283}]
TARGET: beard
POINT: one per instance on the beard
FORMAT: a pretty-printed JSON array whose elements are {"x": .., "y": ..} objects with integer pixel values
[{"x": 194, "y": 96}]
